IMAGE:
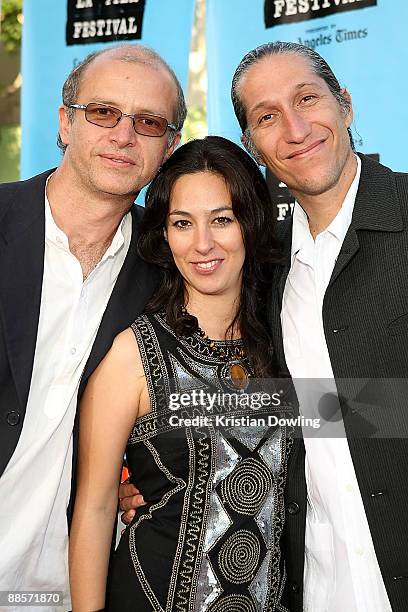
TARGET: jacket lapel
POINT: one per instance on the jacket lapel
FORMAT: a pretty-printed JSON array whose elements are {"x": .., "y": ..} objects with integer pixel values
[
  {"x": 376, "y": 208},
  {"x": 22, "y": 238},
  {"x": 281, "y": 271},
  {"x": 348, "y": 249},
  {"x": 134, "y": 286}
]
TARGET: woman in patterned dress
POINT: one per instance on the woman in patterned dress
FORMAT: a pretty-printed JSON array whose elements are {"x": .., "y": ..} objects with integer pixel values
[{"x": 207, "y": 538}]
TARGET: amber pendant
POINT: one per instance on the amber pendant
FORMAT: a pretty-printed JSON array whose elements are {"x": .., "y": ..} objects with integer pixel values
[{"x": 238, "y": 376}]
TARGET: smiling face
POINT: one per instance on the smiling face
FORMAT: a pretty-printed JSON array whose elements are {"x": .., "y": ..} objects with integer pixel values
[
  {"x": 204, "y": 236},
  {"x": 297, "y": 125},
  {"x": 116, "y": 160}
]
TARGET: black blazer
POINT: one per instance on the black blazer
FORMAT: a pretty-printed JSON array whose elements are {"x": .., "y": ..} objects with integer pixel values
[
  {"x": 365, "y": 319},
  {"x": 22, "y": 241}
]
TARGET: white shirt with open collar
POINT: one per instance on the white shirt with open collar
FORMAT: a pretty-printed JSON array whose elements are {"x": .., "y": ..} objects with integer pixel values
[
  {"x": 35, "y": 487},
  {"x": 341, "y": 568}
]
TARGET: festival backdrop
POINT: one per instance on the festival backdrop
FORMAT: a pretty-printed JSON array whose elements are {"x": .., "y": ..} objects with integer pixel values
[
  {"x": 57, "y": 34},
  {"x": 363, "y": 41}
]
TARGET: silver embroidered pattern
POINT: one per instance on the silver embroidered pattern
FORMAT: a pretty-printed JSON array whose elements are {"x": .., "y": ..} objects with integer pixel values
[
  {"x": 277, "y": 580},
  {"x": 257, "y": 493},
  {"x": 280, "y": 607},
  {"x": 264, "y": 519},
  {"x": 257, "y": 586},
  {"x": 234, "y": 603},
  {"x": 249, "y": 436},
  {"x": 207, "y": 372},
  {"x": 271, "y": 451},
  {"x": 246, "y": 489},
  {"x": 152, "y": 359},
  {"x": 208, "y": 587},
  {"x": 226, "y": 460},
  {"x": 239, "y": 556},
  {"x": 218, "y": 522},
  {"x": 184, "y": 380},
  {"x": 195, "y": 343},
  {"x": 138, "y": 565},
  {"x": 203, "y": 445}
]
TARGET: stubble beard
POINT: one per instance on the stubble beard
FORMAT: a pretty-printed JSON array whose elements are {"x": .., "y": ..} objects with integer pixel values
[
  {"x": 310, "y": 186},
  {"x": 110, "y": 186}
]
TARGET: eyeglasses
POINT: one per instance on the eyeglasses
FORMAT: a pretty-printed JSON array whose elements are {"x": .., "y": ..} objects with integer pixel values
[{"x": 108, "y": 117}]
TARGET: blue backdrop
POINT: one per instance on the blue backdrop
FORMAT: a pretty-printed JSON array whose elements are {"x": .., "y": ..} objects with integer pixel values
[
  {"x": 365, "y": 46},
  {"x": 47, "y": 60}
]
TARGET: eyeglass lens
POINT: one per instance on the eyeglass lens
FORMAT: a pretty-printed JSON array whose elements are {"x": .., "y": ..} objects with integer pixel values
[{"x": 108, "y": 116}]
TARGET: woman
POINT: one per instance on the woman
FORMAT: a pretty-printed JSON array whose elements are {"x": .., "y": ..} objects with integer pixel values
[{"x": 208, "y": 536}]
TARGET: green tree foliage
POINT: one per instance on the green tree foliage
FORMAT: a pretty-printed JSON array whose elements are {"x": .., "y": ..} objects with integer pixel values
[
  {"x": 10, "y": 23},
  {"x": 196, "y": 124}
]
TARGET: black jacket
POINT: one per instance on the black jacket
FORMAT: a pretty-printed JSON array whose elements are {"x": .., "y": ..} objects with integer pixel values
[
  {"x": 365, "y": 319},
  {"x": 22, "y": 241}
]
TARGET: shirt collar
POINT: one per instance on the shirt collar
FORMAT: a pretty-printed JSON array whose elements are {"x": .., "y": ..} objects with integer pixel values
[
  {"x": 121, "y": 237},
  {"x": 55, "y": 234},
  {"x": 338, "y": 227}
]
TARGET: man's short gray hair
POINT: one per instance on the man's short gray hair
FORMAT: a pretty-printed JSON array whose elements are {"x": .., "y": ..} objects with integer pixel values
[
  {"x": 319, "y": 66},
  {"x": 125, "y": 53}
]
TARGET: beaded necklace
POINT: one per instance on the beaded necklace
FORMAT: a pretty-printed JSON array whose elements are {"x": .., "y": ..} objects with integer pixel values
[{"x": 232, "y": 356}]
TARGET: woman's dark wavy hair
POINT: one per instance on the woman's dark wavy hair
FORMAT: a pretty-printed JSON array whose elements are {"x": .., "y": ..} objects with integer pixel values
[{"x": 253, "y": 210}]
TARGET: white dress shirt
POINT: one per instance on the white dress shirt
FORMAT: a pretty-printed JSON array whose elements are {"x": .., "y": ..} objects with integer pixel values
[
  {"x": 341, "y": 568},
  {"x": 35, "y": 487}
]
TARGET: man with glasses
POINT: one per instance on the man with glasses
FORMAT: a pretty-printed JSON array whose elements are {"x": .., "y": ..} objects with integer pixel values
[{"x": 71, "y": 280}]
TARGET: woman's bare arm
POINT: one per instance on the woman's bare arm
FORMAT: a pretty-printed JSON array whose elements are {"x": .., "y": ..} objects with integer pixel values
[{"x": 109, "y": 407}]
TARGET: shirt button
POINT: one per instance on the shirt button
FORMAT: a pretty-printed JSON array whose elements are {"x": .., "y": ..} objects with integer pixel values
[
  {"x": 13, "y": 417},
  {"x": 59, "y": 239},
  {"x": 293, "y": 508},
  {"x": 73, "y": 350},
  {"x": 378, "y": 493},
  {"x": 349, "y": 488},
  {"x": 338, "y": 330},
  {"x": 359, "y": 552},
  {"x": 295, "y": 587}
]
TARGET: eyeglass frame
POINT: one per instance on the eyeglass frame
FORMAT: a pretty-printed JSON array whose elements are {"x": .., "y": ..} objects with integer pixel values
[{"x": 83, "y": 107}]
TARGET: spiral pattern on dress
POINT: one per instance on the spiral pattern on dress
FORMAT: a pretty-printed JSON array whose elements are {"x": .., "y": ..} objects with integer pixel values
[
  {"x": 245, "y": 490},
  {"x": 239, "y": 556},
  {"x": 234, "y": 603}
]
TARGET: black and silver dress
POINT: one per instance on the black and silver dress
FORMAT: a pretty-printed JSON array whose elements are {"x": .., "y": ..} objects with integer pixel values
[{"x": 208, "y": 537}]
